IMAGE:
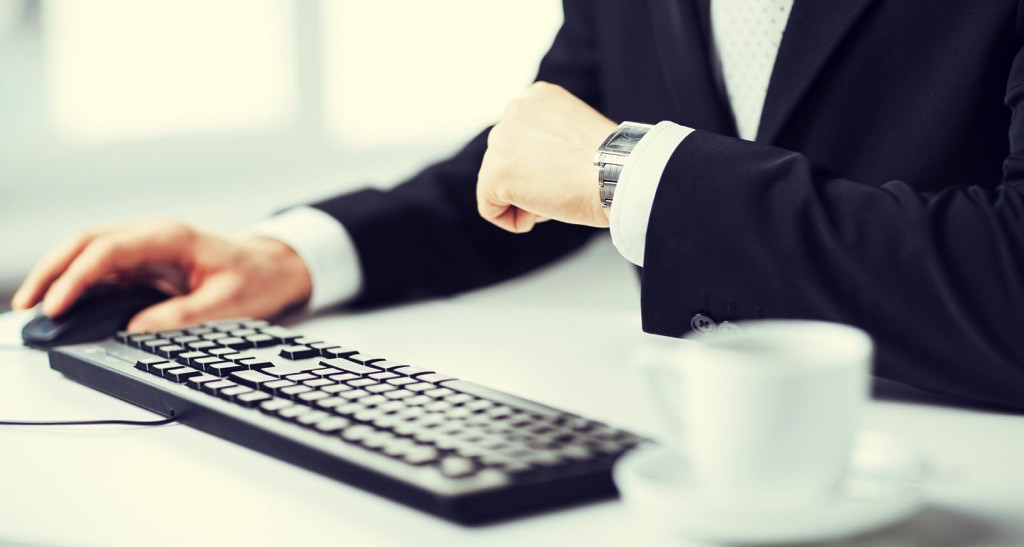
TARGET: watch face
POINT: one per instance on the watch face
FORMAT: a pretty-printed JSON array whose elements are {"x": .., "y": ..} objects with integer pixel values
[{"x": 626, "y": 138}]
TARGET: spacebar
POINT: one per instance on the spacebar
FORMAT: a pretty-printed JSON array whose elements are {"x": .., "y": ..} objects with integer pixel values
[{"x": 485, "y": 392}]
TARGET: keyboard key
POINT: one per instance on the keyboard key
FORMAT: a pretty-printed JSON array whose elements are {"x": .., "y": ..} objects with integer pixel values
[
  {"x": 321, "y": 346},
  {"x": 372, "y": 400},
  {"x": 377, "y": 439},
  {"x": 284, "y": 368},
  {"x": 298, "y": 352},
  {"x": 389, "y": 365},
  {"x": 236, "y": 357},
  {"x": 439, "y": 393},
  {"x": 361, "y": 382},
  {"x": 331, "y": 402},
  {"x": 223, "y": 368},
  {"x": 161, "y": 368},
  {"x": 433, "y": 377},
  {"x": 301, "y": 377},
  {"x": 122, "y": 336},
  {"x": 214, "y": 336},
  {"x": 379, "y": 388},
  {"x": 344, "y": 377},
  {"x": 292, "y": 391},
  {"x": 363, "y": 359},
  {"x": 251, "y": 398},
  {"x": 197, "y": 381},
  {"x": 419, "y": 400},
  {"x": 313, "y": 396},
  {"x": 202, "y": 345},
  {"x": 383, "y": 375},
  {"x": 459, "y": 398},
  {"x": 324, "y": 372},
  {"x": 251, "y": 378},
  {"x": 213, "y": 388},
  {"x": 319, "y": 382},
  {"x": 189, "y": 357},
  {"x": 220, "y": 352},
  {"x": 398, "y": 394},
  {"x": 456, "y": 467},
  {"x": 170, "y": 351},
  {"x": 182, "y": 340},
  {"x": 170, "y": 334},
  {"x": 226, "y": 325},
  {"x": 357, "y": 433},
  {"x": 253, "y": 323},
  {"x": 232, "y": 392},
  {"x": 337, "y": 351},
  {"x": 255, "y": 363},
  {"x": 420, "y": 387},
  {"x": 234, "y": 343},
  {"x": 421, "y": 455},
  {"x": 136, "y": 340},
  {"x": 152, "y": 345},
  {"x": 312, "y": 417},
  {"x": 198, "y": 330},
  {"x": 278, "y": 384},
  {"x": 274, "y": 405},
  {"x": 261, "y": 340},
  {"x": 181, "y": 373},
  {"x": 400, "y": 381},
  {"x": 336, "y": 388},
  {"x": 348, "y": 366},
  {"x": 332, "y": 424},
  {"x": 147, "y": 362},
  {"x": 292, "y": 412},
  {"x": 243, "y": 333},
  {"x": 281, "y": 334}
]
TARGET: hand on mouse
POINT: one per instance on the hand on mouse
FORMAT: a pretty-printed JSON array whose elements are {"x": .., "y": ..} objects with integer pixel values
[{"x": 213, "y": 275}]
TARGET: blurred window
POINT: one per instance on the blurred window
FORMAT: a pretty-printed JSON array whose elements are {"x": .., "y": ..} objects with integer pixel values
[
  {"x": 399, "y": 72},
  {"x": 128, "y": 69}
]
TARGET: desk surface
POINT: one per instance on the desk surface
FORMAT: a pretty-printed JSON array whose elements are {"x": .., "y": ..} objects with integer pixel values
[{"x": 117, "y": 485}]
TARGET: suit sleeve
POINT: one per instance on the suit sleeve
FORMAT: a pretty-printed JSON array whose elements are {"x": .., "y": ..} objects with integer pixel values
[
  {"x": 425, "y": 238},
  {"x": 740, "y": 230}
]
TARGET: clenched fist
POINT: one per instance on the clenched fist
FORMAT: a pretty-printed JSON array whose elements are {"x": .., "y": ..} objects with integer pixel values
[{"x": 539, "y": 162}]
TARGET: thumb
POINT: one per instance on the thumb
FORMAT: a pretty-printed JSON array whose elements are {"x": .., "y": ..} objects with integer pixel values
[{"x": 205, "y": 303}]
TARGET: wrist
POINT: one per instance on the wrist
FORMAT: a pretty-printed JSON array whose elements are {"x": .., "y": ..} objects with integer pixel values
[{"x": 294, "y": 282}]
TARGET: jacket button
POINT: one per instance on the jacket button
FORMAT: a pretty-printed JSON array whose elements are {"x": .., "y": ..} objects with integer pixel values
[{"x": 703, "y": 324}]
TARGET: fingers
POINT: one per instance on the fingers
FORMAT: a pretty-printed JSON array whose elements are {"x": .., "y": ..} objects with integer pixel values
[
  {"x": 115, "y": 253},
  {"x": 211, "y": 300},
  {"x": 48, "y": 269}
]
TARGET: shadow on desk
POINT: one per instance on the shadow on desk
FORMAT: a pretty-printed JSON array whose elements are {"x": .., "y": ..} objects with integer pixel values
[
  {"x": 933, "y": 527},
  {"x": 888, "y": 390}
]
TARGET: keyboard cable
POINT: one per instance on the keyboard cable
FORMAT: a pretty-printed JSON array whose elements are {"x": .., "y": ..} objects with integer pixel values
[{"x": 162, "y": 421}]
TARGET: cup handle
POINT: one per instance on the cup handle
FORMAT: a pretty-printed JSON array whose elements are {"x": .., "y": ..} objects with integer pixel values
[{"x": 661, "y": 378}]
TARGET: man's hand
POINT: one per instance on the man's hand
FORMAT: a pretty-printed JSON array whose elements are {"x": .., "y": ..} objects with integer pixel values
[
  {"x": 214, "y": 276},
  {"x": 539, "y": 162}
]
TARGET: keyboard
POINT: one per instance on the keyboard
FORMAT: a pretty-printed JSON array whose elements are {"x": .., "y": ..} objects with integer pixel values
[{"x": 450, "y": 447}]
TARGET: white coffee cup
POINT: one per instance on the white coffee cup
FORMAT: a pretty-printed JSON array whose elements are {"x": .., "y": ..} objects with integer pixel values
[{"x": 766, "y": 413}]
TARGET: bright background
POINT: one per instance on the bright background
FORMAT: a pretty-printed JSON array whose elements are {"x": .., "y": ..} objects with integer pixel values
[{"x": 223, "y": 111}]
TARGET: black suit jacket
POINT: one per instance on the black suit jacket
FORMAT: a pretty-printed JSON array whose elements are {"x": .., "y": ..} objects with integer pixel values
[{"x": 885, "y": 189}]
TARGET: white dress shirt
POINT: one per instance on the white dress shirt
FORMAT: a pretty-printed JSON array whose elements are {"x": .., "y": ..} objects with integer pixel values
[{"x": 746, "y": 38}]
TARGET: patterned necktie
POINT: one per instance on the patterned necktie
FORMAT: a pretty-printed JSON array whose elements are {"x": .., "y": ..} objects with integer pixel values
[{"x": 747, "y": 34}]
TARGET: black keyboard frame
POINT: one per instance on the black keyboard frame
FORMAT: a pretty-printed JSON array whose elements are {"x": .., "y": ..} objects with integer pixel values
[{"x": 106, "y": 366}]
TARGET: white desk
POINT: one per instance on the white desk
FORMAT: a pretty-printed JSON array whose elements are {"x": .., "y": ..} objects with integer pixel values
[{"x": 171, "y": 485}]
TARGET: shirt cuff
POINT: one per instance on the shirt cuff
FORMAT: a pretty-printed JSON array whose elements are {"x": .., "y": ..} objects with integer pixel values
[
  {"x": 326, "y": 248},
  {"x": 637, "y": 185}
]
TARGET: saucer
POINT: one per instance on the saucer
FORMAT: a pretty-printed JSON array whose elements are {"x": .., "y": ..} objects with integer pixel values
[{"x": 882, "y": 487}]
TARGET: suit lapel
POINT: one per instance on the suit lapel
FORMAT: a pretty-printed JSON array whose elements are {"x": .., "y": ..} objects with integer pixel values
[
  {"x": 814, "y": 30},
  {"x": 682, "y": 36}
]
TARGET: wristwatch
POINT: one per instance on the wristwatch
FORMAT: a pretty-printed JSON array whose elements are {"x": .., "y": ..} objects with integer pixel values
[{"x": 611, "y": 156}]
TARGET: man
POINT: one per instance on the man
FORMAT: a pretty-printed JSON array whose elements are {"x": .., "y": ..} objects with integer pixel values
[{"x": 885, "y": 188}]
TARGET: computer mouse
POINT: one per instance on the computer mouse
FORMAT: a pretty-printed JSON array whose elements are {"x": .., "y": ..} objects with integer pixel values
[{"x": 100, "y": 312}]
